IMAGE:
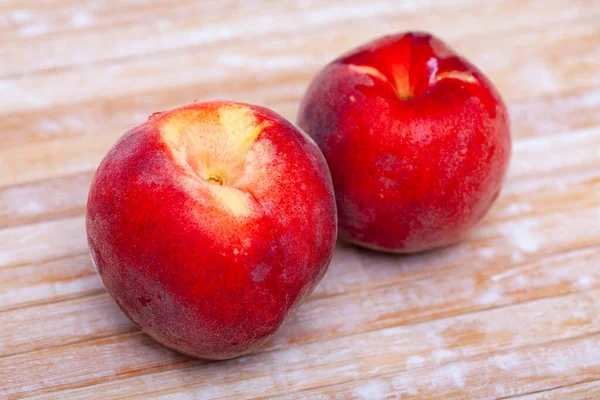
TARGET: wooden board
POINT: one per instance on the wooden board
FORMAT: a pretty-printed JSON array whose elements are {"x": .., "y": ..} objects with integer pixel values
[{"x": 512, "y": 312}]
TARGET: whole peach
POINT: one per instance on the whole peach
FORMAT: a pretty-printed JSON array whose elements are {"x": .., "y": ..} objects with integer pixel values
[
  {"x": 210, "y": 223},
  {"x": 417, "y": 140}
]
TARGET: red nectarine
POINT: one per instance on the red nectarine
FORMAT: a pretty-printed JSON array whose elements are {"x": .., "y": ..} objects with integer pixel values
[
  {"x": 210, "y": 223},
  {"x": 416, "y": 138}
]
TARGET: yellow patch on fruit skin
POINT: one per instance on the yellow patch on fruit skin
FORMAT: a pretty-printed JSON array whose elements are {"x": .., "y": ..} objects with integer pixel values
[
  {"x": 401, "y": 81},
  {"x": 217, "y": 147},
  {"x": 365, "y": 69},
  {"x": 185, "y": 134},
  {"x": 240, "y": 126},
  {"x": 234, "y": 200},
  {"x": 212, "y": 141},
  {"x": 462, "y": 76}
]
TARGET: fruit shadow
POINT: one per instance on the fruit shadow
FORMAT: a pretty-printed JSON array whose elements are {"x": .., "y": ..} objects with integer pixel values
[
  {"x": 356, "y": 268},
  {"x": 348, "y": 292}
]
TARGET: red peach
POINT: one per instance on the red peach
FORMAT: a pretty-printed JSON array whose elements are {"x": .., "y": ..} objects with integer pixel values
[
  {"x": 210, "y": 223},
  {"x": 417, "y": 140}
]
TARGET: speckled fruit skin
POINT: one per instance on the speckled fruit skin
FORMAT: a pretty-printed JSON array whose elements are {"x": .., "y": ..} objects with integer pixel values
[
  {"x": 207, "y": 269},
  {"x": 417, "y": 140}
]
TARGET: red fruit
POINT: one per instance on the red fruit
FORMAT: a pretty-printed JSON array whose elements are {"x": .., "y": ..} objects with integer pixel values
[
  {"x": 210, "y": 223},
  {"x": 417, "y": 140}
]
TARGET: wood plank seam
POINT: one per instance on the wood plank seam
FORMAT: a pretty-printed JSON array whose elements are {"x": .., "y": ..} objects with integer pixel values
[
  {"x": 191, "y": 362},
  {"x": 589, "y": 395},
  {"x": 574, "y": 83},
  {"x": 80, "y": 210},
  {"x": 477, "y": 356},
  {"x": 193, "y": 47},
  {"x": 565, "y": 93},
  {"x": 61, "y": 299},
  {"x": 549, "y": 389},
  {"x": 312, "y": 297}
]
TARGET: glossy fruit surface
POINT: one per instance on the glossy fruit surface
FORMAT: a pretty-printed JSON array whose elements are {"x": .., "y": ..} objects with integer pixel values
[{"x": 417, "y": 140}]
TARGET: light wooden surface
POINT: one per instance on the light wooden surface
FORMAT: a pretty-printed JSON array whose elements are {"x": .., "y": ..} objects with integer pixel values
[{"x": 514, "y": 311}]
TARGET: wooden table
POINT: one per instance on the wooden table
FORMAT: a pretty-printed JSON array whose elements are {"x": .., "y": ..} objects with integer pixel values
[{"x": 514, "y": 311}]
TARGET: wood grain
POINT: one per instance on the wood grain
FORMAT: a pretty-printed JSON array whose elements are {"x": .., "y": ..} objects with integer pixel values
[
  {"x": 579, "y": 391},
  {"x": 380, "y": 352},
  {"x": 189, "y": 24},
  {"x": 511, "y": 312}
]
